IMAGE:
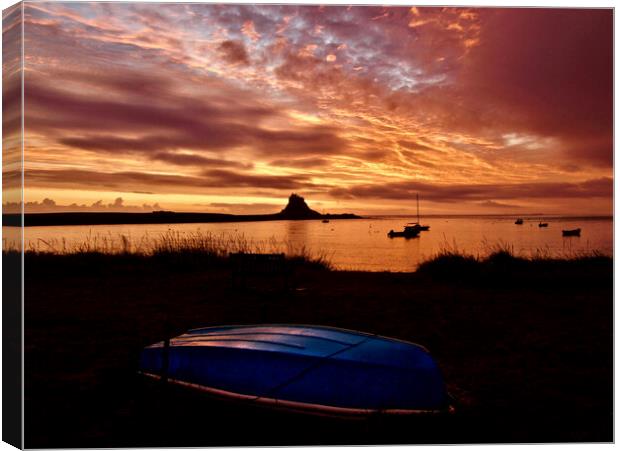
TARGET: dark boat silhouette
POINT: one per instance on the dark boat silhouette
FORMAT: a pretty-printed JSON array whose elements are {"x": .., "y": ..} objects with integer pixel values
[
  {"x": 519, "y": 221},
  {"x": 543, "y": 224},
  {"x": 572, "y": 232},
  {"x": 310, "y": 369},
  {"x": 411, "y": 230}
]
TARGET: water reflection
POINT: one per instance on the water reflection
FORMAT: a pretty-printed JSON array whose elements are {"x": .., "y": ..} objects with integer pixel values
[{"x": 363, "y": 244}]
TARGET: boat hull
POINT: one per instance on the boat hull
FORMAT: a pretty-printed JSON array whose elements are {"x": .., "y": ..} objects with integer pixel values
[
  {"x": 409, "y": 232},
  {"x": 575, "y": 232},
  {"x": 310, "y": 369},
  {"x": 392, "y": 234}
]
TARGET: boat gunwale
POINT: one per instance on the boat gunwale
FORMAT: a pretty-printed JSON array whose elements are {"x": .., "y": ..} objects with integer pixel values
[
  {"x": 311, "y": 408},
  {"x": 264, "y": 333}
]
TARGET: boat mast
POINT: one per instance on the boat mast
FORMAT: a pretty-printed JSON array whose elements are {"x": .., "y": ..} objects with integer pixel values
[{"x": 417, "y": 201}]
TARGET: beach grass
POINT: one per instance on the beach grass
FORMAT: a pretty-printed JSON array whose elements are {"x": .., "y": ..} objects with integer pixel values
[
  {"x": 199, "y": 248},
  {"x": 524, "y": 342},
  {"x": 499, "y": 261},
  {"x": 207, "y": 248}
]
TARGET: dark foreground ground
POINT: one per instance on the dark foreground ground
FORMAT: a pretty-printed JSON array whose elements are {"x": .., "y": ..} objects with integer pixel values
[{"x": 525, "y": 347}]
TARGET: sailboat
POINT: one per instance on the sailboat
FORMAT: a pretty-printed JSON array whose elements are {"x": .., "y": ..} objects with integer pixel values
[
  {"x": 412, "y": 229},
  {"x": 420, "y": 227}
]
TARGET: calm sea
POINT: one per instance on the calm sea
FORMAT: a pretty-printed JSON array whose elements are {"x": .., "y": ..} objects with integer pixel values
[{"x": 363, "y": 244}]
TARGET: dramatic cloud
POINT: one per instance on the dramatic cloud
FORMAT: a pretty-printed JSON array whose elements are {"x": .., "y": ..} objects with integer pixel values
[
  {"x": 234, "y": 52},
  {"x": 183, "y": 159},
  {"x": 458, "y": 193},
  {"x": 216, "y": 179},
  {"x": 300, "y": 162},
  {"x": 207, "y": 104},
  {"x": 11, "y": 104}
]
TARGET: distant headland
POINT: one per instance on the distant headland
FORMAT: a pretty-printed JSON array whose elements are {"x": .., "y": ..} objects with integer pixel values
[{"x": 296, "y": 209}]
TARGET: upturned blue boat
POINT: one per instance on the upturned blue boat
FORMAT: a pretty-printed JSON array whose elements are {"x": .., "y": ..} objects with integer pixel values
[{"x": 313, "y": 369}]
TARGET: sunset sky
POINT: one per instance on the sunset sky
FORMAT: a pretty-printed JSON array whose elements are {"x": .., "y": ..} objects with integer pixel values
[{"x": 230, "y": 108}]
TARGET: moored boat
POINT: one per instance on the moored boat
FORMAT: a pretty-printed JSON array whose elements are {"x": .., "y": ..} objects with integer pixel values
[
  {"x": 411, "y": 230},
  {"x": 571, "y": 232},
  {"x": 312, "y": 369},
  {"x": 519, "y": 221},
  {"x": 543, "y": 224}
]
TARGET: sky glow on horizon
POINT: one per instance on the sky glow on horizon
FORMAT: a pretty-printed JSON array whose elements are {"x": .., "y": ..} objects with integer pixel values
[{"x": 230, "y": 108}]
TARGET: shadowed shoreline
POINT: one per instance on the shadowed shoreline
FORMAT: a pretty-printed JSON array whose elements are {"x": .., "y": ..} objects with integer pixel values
[
  {"x": 525, "y": 347},
  {"x": 60, "y": 219},
  {"x": 296, "y": 209}
]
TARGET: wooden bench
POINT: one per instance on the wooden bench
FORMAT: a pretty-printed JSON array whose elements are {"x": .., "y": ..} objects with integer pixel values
[{"x": 247, "y": 265}]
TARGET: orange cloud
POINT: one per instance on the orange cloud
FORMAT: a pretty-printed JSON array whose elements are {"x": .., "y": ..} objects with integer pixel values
[
  {"x": 208, "y": 100},
  {"x": 249, "y": 30}
]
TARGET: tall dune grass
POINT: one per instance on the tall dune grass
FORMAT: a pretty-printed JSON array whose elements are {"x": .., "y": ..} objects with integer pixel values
[
  {"x": 176, "y": 245},
  {"x": 203, "y": 247},
  {"x": 499, "y": 261},
  {"x": 503, "y": 250}
]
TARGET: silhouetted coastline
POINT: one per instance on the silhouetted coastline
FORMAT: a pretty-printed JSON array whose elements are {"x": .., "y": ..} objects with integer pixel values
[{"x": 296, "y": 209}]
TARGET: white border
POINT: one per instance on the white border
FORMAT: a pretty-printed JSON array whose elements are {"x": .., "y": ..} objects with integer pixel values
[{"x": 484, "y": 3}]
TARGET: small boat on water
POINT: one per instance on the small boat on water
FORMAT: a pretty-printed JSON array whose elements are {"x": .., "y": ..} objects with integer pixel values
[
  {"x": 572, "y": 232},
  {"x": 325, "y": 221},
  {"x": 310, "y": 369},
  {"x": 519, "y": 221},
  {"x": 411, "y": 230},
  {"x": 543, "y": 224}
]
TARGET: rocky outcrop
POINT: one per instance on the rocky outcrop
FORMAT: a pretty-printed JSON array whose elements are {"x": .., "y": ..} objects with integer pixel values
[{"x": 298, "y": 209}]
